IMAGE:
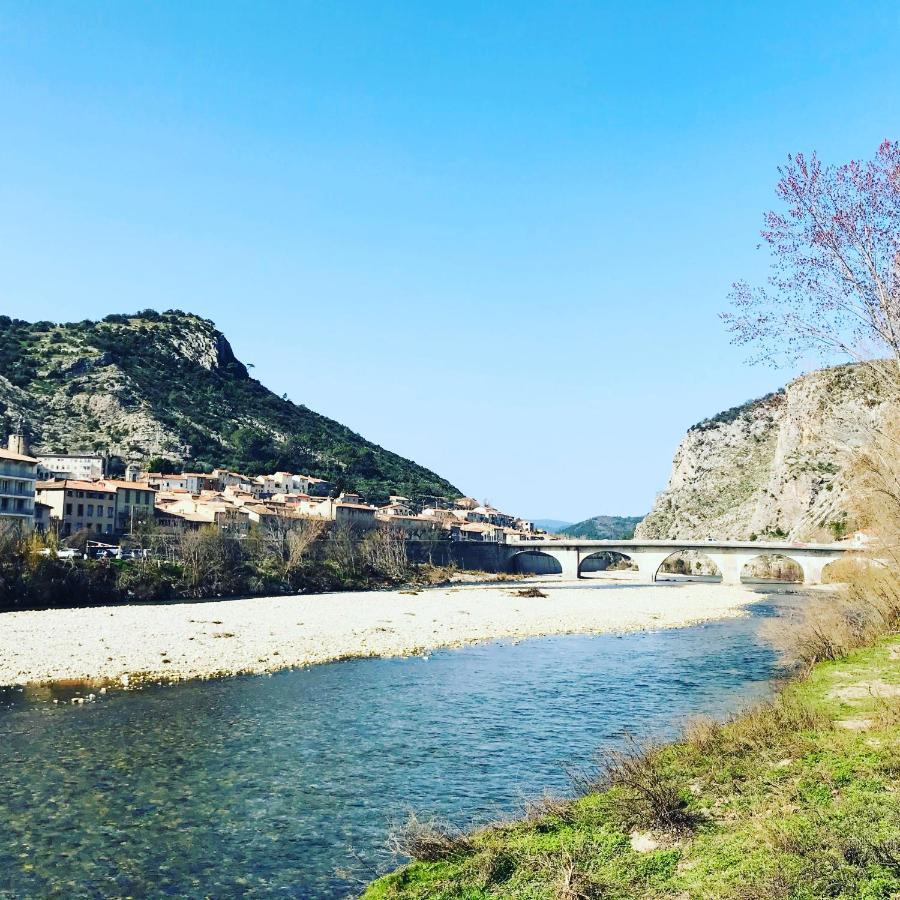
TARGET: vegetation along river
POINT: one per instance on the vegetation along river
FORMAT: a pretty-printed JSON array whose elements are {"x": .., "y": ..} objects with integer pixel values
[{"x": 286, "y": 786}]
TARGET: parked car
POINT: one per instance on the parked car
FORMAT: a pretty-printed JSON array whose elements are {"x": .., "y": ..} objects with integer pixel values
[
  {"x": 132, "y": 553},
  {"x": 102, "y": 552},
  {"x": 69, "y": 553}
]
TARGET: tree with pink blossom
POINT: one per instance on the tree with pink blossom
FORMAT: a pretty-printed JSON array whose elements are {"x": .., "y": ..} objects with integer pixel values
[{"x": 834, "y": 286}]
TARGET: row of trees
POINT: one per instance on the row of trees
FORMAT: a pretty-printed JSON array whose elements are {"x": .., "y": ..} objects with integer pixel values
[{"x": 308, "y": 555}]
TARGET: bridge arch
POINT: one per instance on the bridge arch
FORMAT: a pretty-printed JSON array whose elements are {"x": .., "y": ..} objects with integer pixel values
[
  {"x": 782, "y": 568},
  {"x": 535, "y": 562},
  {"x": 605, "y": 561},
  {"x": 689, "y": 564}
]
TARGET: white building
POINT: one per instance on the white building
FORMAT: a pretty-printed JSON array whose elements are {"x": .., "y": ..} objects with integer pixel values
[{"x": 74, "y": 466}]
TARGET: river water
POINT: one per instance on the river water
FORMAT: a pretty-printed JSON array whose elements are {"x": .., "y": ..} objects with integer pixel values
[{"x": 286, "y": 785}]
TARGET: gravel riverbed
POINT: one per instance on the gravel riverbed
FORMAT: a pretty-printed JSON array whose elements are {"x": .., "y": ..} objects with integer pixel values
[{"x": 176, "y": 641}]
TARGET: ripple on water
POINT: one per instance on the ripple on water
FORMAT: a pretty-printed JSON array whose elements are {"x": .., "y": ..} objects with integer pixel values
[{"x": 265, "y": 786}]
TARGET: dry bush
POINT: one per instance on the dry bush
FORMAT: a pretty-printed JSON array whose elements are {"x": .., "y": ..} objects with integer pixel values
[
  {"x": 429, "y": 841},
  {"x": 830, "y": 626},
  {"x": 702, "y": 733},
  {"x": 650, "y": 795},
  {"x": 547, "y": 808},
  {"x": 887, "y": 712},
  {"x": 841, "y": 571},
  {"x": 771, "y": 723},
  {"x": 530, "y": 592},
  {"x": 569, "y": 877}
]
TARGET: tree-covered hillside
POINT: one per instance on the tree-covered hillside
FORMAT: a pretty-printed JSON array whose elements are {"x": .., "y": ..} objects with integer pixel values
[
  {"x": 167, "y": 385},
  {"x": 604, "y": 528}
]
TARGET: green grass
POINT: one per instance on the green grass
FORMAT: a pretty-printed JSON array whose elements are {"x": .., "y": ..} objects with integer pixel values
[{"x": 789, "y": 804}]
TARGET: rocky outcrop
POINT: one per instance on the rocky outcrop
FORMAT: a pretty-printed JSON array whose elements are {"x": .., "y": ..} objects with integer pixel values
[
  {"x": 777, "y": 467},
  {"x": 138, "y": 387}
]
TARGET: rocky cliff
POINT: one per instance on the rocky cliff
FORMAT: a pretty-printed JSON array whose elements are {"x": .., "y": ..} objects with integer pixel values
[
  {"x": 168, "y": 385},
  {"x": 775, "y": 467}
]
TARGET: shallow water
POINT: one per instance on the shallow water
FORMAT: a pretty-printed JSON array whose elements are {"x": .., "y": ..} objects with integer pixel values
[{"x": 267, "y": 786}]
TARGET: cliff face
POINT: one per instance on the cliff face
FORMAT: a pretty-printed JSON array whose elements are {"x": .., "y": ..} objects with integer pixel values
[
  {"x": 169, "y": 385},
  {"x": 775, "y": 467}
]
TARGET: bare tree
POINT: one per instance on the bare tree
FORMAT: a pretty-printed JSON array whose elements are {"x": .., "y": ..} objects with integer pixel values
[
  {"x": 384, "y": 549},
  {"x": 207, "y": 558},
  {"x": 343, "y": 550},
  {"x": 302, "y": 538}
]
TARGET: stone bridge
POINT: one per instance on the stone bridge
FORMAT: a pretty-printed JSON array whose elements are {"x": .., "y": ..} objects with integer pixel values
[{"x": 730, "y": 557}]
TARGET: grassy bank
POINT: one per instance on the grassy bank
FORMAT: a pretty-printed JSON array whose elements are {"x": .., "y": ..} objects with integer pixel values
[{"x": 799, "y": 798}]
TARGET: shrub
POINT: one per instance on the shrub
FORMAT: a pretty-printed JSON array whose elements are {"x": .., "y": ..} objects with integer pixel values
[
  {"x": 649, "y": 795},
  {"x": 431, "y": 841}
]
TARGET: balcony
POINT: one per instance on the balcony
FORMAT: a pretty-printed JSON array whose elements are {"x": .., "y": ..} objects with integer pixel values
[
  {"x": 16, "y": 489},
  {"x": 13, "y": 470}
]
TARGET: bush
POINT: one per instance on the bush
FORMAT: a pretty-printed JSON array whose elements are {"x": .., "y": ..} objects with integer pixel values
[
  {"x": 430, "y": 841},
  {"x": 649, "y": 794}
]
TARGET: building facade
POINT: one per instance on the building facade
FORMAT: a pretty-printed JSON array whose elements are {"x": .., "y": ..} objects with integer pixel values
[
  {"x": 79, "y": 506},
  {"x": 18, "y": 474},
  {"x": 71, "y": 466}
]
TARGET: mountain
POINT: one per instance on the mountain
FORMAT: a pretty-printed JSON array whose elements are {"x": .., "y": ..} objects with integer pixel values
[
  {"x": 168, "y": 385},
  {"x": 776, "y": 467},
  {"x": 604, "y": 528},
  {"x": 551, "y": 525}
]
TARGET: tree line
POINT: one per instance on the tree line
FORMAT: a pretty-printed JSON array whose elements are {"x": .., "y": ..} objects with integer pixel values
[{"x": 303, "y": 556}]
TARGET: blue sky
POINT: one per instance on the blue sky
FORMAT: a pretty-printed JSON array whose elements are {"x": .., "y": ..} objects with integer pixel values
[{"x": 493, "y": 237}]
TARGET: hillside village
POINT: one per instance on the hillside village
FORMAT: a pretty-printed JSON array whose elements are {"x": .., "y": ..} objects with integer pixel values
[{"x": 70, "y": 495}]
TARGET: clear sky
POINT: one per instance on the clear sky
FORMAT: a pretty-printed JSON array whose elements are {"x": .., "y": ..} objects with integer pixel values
[{"x": 493, "y": 237}]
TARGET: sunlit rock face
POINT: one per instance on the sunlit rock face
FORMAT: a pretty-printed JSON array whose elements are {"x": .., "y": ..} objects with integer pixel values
[{"x": 777, "y": 467}]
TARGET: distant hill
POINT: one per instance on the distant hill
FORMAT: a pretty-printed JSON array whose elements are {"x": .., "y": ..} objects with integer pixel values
[
  {"x": 167, "y": 386},
  {"x": 551, "y": 525},
  {"x": 604, "y": 528}
]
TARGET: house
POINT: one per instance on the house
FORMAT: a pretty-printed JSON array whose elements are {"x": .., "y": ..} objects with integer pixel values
[
  {"x": 73, "y": 466},
  {"x": 360, "y": 515},
  {"x": 166, "y": 482},
  {"x": 267, "y": 485},
  {"x": 315, "y": 487},
  {"x": 465, "y": 503},
  {"x": 410, "y": 524},
  {"x": 41, "y": 517},
  {"x": 135, "y": 501},
  {"x": 477, "y": 531},
  {"x": 196, "y": 482},
  {"x": 79, "y": 506},
  {"x": 494, "y": 516},
  {"x": 18, "y": 474},
  {"x": 397, "y": 506}
]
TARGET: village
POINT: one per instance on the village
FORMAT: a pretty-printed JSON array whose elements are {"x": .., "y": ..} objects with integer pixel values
[{"x": 71, "y": 495}]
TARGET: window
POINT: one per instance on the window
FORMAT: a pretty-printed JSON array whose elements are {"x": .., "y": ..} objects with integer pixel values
[
  {"x": 68, "y": 509},
  {"x": 90, "y": 511},
  {"x": 80, "y": 510},
  {"x": 110, "y": 511}
]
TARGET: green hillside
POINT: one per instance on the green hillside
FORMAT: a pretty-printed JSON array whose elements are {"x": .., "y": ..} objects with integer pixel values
[
  {"x": 152, "y": 385},
  {"x": 604, "y": 528}
]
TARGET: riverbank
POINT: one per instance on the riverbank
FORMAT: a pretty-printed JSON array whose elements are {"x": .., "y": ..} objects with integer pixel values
[
  {"x": 177, "y": 641},
  {"x": 795, "y": 799}
]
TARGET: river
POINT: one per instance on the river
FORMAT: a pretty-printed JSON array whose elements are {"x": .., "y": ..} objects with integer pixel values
[{"x": 286, "y": 785}]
